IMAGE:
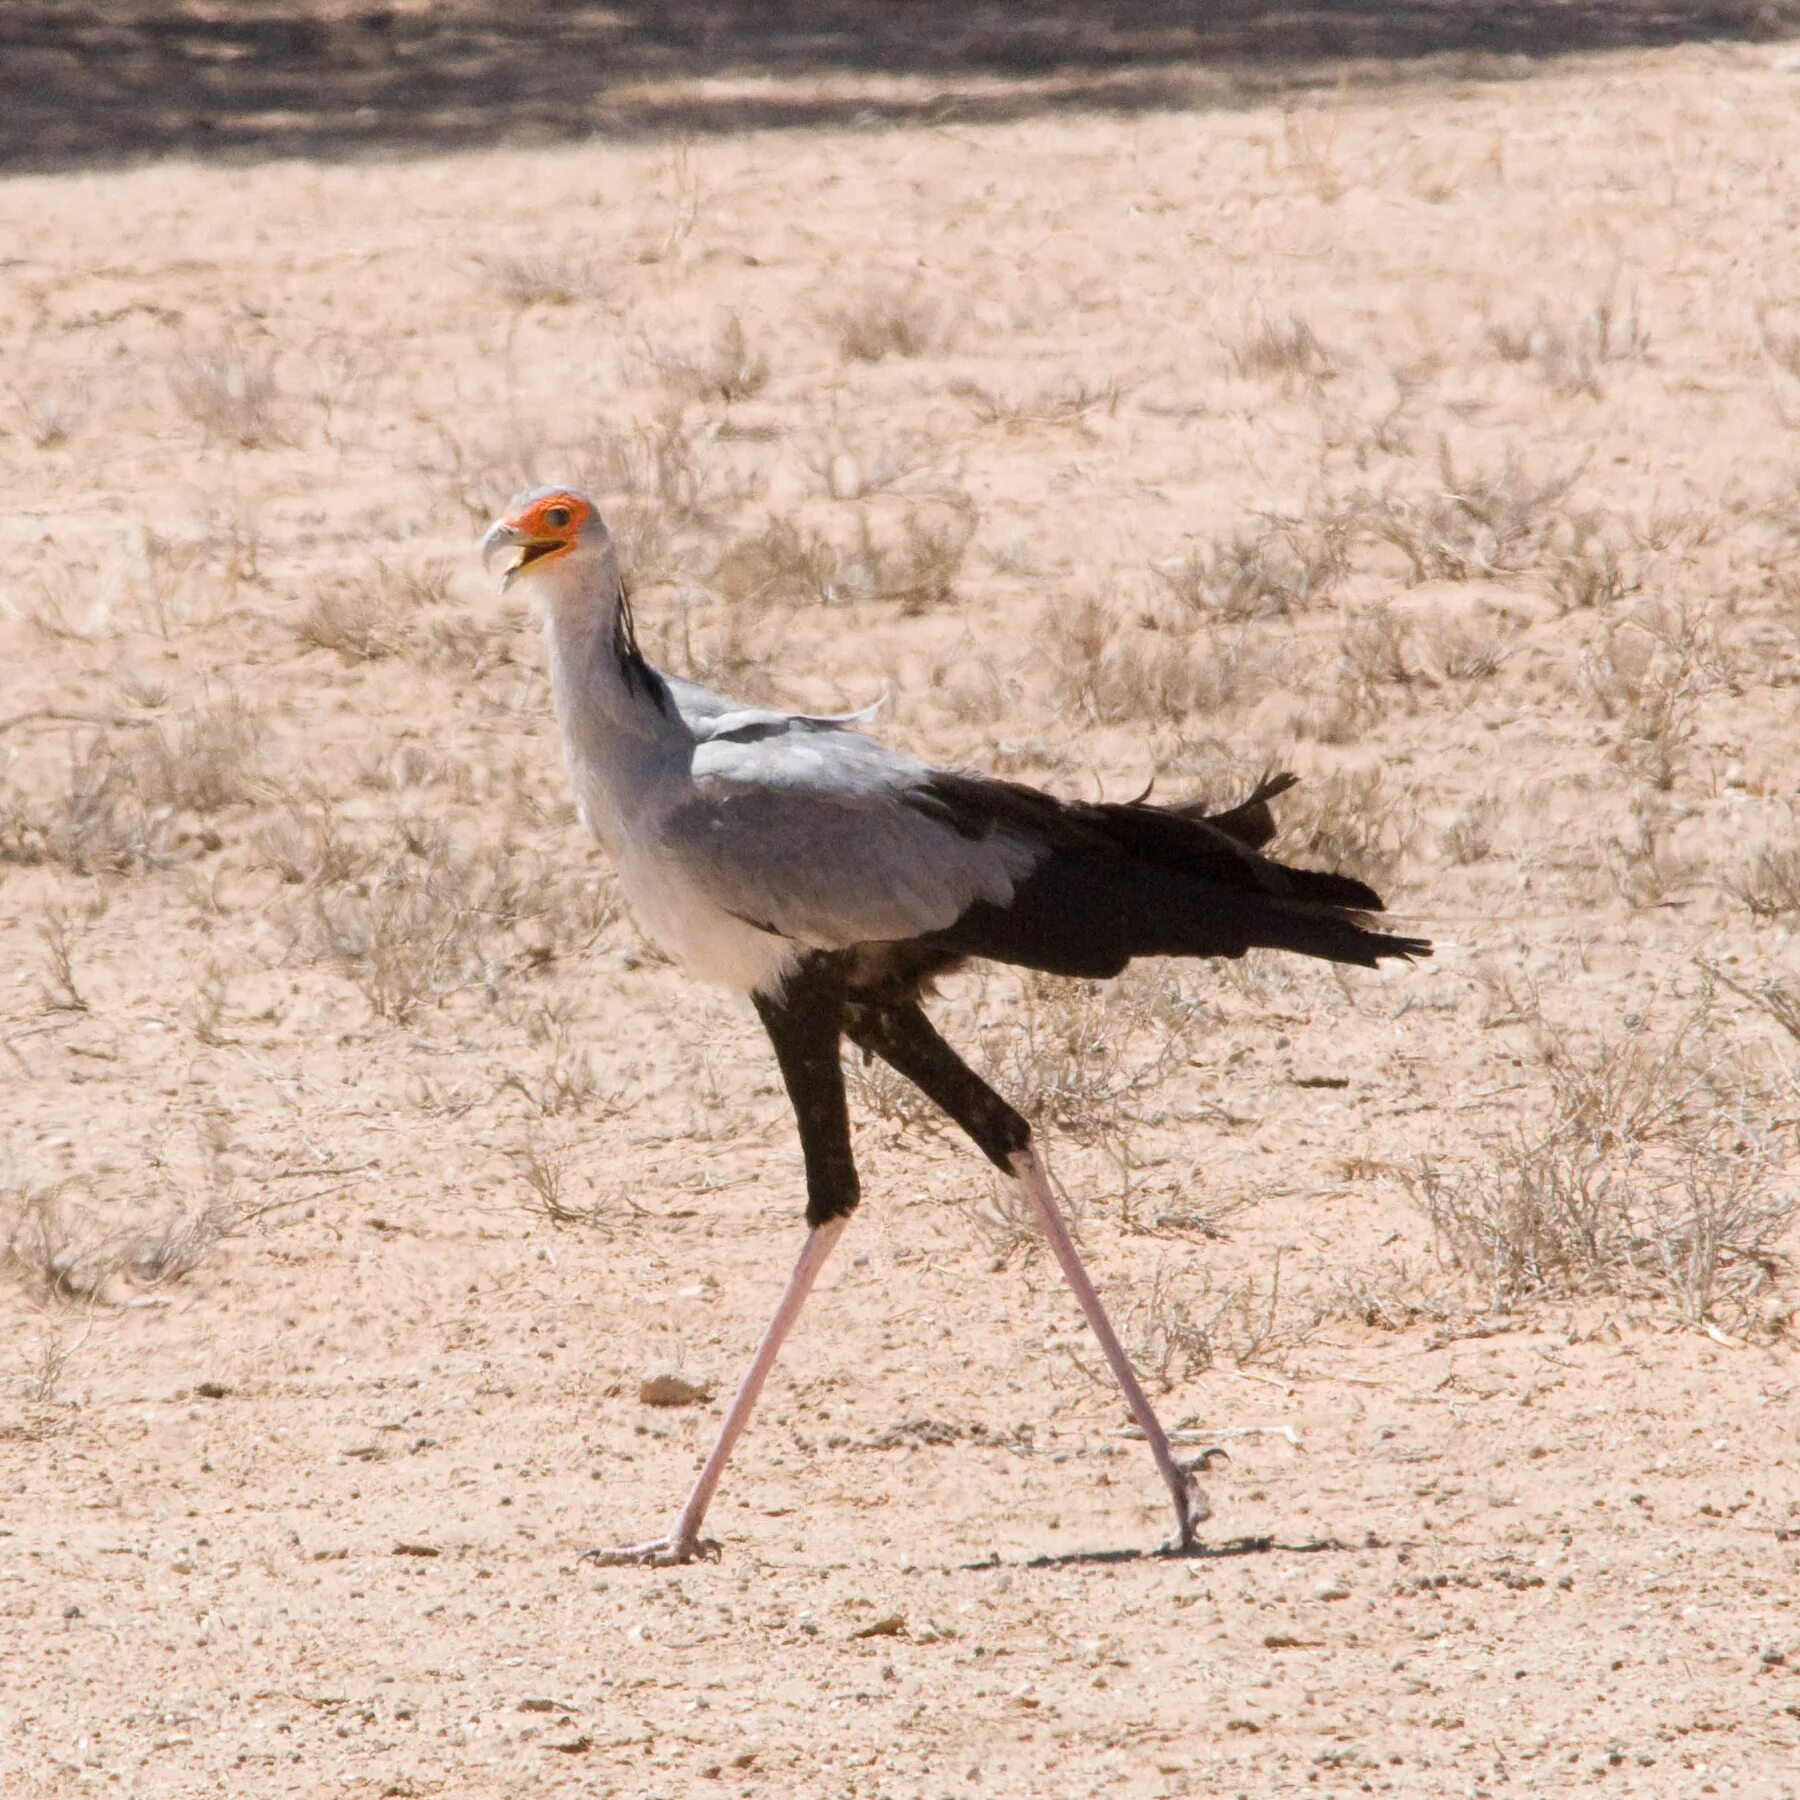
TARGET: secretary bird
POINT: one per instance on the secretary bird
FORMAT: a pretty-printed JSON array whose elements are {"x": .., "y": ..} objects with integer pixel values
[{"x": 830, "y": 878}]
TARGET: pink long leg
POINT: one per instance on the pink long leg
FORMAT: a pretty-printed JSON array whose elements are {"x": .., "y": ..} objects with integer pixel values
[
  {"x": 1190, "y": 1504},
  {"x": 684, "y": 1543}
]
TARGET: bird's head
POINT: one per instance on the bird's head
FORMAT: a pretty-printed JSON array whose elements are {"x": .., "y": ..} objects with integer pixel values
[{"x": 546, "y": 529}]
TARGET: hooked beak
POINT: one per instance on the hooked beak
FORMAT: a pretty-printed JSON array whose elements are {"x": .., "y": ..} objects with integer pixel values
[{"x": 503, "y": 535}]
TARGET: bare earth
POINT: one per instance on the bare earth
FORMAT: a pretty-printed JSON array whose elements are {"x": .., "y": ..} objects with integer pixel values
[{"x": 359, "y": 1161}]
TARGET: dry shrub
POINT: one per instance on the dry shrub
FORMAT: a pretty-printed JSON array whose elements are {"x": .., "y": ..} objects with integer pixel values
[
  {"x": 307, "y": 842},
  {"x": 350, "y": 619},
  {"x": 784, "y": 562},
  {"x": 1113, "y": 671},
  {"x": 1285, "y": 565},
  {"x": 1066, "y": 403},
  {"x": 1283, "y": 348},
  {"x": 181, "y": 584},
  {"x": 1768, "y": 884},
  {"x": 1482, "y": 523},
  {"x": 889, "y": 321},
  {"x": 1182, "y": 1326},
  {"x": 229, "y": 390},
  {"x": 203, "y": 762},
  {"x": 1081, "y": 1055},
  {"x": 1655, "y": 1177},
  {"x": 61, "y": 934},
  {"x": 1780, "y": 339},
  {"x": 914, "y": 568},
  {"x": 118, "y": 809},
  {"x": 1650, "y": 689},
  {"x": 662, "y": 491},
  {"x": 1455, "y": 651},
  {"x": 1642, "y": 860},
  {"x": 1356, "y": 821},
  {"x": 1469, "y": 836},
  {"x": 64, "y": 1247},
  {"x": 50, "y": 415},
  {"x": 565, "y": 1080},
  {"x": 553, "y": 278},
  {"x": 429, "y": 917},
  {"x": 1587, "y": 571},
  {"x": 847, "y": 475},
  {"x": 1569, "y": 356},
  {"x": 544, "y": 1168},
  {"x": 723, "y": 368},
  {"x": 366, "y": 621}
]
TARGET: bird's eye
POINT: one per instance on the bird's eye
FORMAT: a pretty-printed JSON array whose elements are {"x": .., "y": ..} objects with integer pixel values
[{"x": 556, "y": 517}]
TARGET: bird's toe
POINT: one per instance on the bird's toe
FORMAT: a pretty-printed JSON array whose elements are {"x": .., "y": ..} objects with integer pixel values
[{"x": 659, "y": 1553}]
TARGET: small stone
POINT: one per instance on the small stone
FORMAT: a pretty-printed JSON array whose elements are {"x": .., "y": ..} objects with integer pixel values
[
  {"x": 845, "y": 476},
  {"x": 1734, "y": 775},
  {"x": 669, "y": 1387},
  {"x": 1331, "y": 1590}
]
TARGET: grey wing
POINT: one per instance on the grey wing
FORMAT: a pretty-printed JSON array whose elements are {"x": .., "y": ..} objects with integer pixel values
[
  {"x": 816, "y": 835},
  {"x": 711, "y": 715}
]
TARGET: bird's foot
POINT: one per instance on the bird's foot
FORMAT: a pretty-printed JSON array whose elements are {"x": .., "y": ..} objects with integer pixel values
[
  {"x": 1194, "y": 1509},
  {"x": 659, "y": 1553}
]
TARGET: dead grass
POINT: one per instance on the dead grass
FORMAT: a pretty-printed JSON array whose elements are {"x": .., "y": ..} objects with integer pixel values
[
  {"x": 544, "y": 1169},
  {"x": 1469, "y": 524},
  {"x": 58, "y": 1241},
  {"x": 889, "y": 321},
  {"x": 1780, "y": 338},
  {"x": 1280, "y": 347},
  {"x": 663, "y": 491},
  {"x": 228, "y": 389},
  {"x": 51, "y": 413},
  {"x": 60, "y": 934},
  {"x": 564, "y": 1080},
  {"x": 1184, "y": 1324},
  {"x": 1656, "y": 1177},
  {"x": 118, "y": 806},
  {"x": 553, "y": 278},
  {"x": 724, "y": 367},
  {"x": 1469, "y": 836},
  {"x": 365, "y": 621},
  {"x": 1651, "y": 696},
  {"x": 1085, "y": 1056},
  {"x": 1067, "y": 403},
  {"x": 1570, "y": 356},
  {"x": 1112, "y": 670},
  {"x": 1361, "y": 821},
  {"x": 1768, "y": 884},
  {"x": 428, "y": 917},
  {"x": 911, "y": 565},
  {"x": 1287, "y": 564},
  {"x": 1588, "y": 572}
]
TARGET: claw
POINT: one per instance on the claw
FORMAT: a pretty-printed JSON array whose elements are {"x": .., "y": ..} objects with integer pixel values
[
  {"x": 1197, "y": 1510},
  {"x": 659, "y": 1553}
]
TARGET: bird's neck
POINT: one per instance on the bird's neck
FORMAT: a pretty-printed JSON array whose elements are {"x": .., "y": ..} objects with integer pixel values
[
  {"x": 599, "y": 677},
  {"x": 625, "y": 742}
]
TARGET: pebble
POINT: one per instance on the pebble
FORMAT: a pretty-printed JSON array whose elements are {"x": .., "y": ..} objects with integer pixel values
[
  {"x": 1331, "y": 1590},
  {"x": 669, "y": 1387},
  {"x": 845, "y": 476}
]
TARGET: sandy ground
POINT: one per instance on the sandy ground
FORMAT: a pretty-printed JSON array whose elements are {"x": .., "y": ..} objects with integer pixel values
[{"x": 359, "y": 1160}]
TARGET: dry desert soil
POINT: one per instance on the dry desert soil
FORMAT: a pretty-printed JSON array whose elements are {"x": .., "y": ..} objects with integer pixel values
[{"x": 1433, "y": 432}]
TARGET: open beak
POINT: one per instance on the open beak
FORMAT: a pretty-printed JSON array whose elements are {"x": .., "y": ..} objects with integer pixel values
[{"x": 503, "y": 535}]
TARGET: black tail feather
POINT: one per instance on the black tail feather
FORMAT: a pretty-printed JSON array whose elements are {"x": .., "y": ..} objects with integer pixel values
[{"x": 1122, "y": 881}]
